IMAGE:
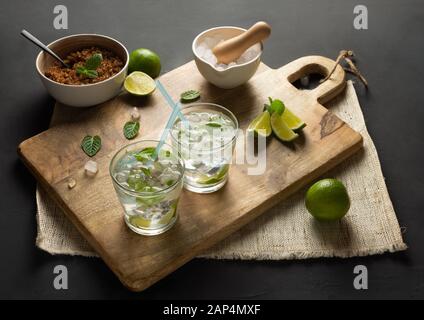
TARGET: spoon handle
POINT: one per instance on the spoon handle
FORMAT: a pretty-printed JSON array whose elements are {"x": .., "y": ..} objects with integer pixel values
[{"x": 38, "y": 43}]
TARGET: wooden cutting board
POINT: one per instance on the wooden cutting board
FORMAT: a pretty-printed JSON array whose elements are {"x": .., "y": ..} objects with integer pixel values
[{"x": 55, "y": 155}]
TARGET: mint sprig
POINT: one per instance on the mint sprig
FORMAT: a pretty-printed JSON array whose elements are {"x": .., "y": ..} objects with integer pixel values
[
  {"x": 275, "y": 105},
  {"x": 94, "y": 61},
  {"x": 90, "y": 66},
  {"x": 81, "y": 71}
]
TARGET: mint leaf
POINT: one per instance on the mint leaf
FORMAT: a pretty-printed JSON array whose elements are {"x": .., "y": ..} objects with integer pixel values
[
  {"x": 91, "y": 74},
  {"x": 145, "y": 154},
  {"x": 189, "y": 96},
  {"x": 149, "y": 201},
  {"x": 136, "y": 183},
  {"x": 81, "y": 71},
  {"x": 213, "y": 125},
  {"x": 146, "y": 171},
  {"x": 90, "y": 66},
  {"x": 131, "y": 129},
  {"x": 94, "y": 61},
  {"x": 170, "y": 182},
  {"x": 91, "y": 145}
]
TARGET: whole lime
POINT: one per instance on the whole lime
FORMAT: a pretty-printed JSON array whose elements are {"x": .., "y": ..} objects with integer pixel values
[
  {"x": 327, "y": 200},
  {"x": 146, "y": 61}
]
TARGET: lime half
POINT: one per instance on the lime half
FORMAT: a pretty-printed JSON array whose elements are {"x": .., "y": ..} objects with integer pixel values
[
  {"x": 292, "y": 121},
  {"x": 261, "y": 125},
  {"x": 280, "y": 128},
  {"x": 139, "y": 83}
]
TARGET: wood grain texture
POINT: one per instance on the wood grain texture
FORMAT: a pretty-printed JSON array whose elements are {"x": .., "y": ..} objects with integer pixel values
[{"x": 55, "y": 155}]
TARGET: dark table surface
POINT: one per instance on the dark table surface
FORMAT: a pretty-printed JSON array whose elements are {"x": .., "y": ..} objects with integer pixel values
[{"x": 390, "y": 54}]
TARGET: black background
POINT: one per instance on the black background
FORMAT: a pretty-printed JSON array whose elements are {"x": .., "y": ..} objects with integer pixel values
[{"x": 390, "y": 54}]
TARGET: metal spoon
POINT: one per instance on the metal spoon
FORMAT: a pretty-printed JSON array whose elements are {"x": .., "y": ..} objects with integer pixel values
[{"x": 37, "y": 42}]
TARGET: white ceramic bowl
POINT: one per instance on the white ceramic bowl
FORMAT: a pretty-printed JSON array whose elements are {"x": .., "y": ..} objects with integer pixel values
[
  {"x": 232, "y": 76},
  {"x": 88, "y": 94}
]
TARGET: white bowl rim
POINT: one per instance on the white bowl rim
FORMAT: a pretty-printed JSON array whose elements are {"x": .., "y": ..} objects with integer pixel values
[
  {"x": 82, "y": 85},
  {"x": 229, "y": 68}
]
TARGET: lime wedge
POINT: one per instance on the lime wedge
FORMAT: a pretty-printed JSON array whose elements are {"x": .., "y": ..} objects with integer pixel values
[
  {"x": 139, "y": 222},
  {"x": 261, "y": 124},
  {"x": 169, "y": 215},
  {"x": 139, "y": 83},
  {"x": 215, "y": 178},
  {"x": 280, "y": 128},
  {"x": 292, "y": 121}
]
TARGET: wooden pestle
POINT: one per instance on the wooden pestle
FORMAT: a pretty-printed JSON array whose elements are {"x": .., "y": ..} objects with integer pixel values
[{"x": 230, "y": 50}]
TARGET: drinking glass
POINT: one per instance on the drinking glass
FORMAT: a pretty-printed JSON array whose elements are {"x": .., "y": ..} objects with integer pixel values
[
  {"x": 148, "y": 186},
  {"x": 206, "y": 141}
]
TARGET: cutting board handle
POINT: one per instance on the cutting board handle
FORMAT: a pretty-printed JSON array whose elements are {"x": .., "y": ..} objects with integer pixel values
[{"x": 317, "y": 64}]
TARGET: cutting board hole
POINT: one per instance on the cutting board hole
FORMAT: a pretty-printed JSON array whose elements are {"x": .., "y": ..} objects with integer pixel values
[{"x": 308, "y": 82}]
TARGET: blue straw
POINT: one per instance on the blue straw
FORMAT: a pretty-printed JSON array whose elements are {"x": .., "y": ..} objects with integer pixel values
[
  {"x": 175, "y": 112},
  {"x": 171, "y": 103}
]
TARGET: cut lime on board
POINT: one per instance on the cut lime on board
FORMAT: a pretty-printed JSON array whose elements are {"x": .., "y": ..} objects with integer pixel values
[
  {"x": 215, "y": 178},
  {"x": 261, "y": 125},
  {"x": 139, "y": 83},
  {"x": 327, "y": 200},
  {"x": 280, "y": 128},
  {"x": 292, "y": 121}
]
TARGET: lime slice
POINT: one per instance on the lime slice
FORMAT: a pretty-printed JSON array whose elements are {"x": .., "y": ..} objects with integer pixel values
[
  {"x": 139, "y": 222},
  {"x": 215, "y": 178},
  {"x": 261, "y": 124},
  {"x": 139, "y": 83},
  {"x": 281, "y": 130},
  {"x": 293, "y": 121}
]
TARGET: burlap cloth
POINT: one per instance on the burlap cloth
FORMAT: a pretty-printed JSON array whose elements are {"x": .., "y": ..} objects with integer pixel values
[{"x": 287, "y": 231}]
